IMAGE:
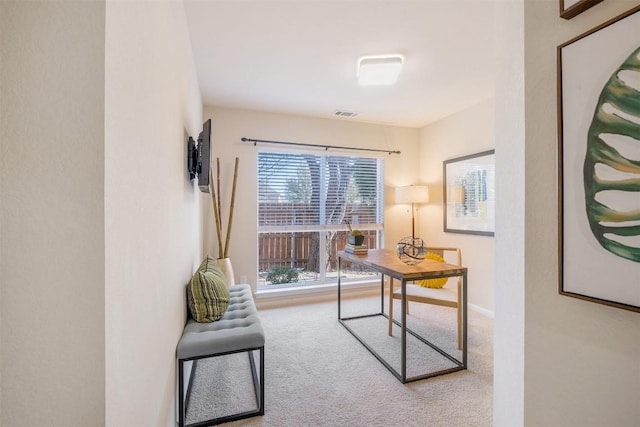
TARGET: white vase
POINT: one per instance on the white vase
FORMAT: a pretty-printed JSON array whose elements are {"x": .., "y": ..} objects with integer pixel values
[{"x": 227, "y": 269}]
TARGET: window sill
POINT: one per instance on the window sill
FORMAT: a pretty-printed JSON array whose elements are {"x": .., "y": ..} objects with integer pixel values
[{"x": 271, "y": 298}]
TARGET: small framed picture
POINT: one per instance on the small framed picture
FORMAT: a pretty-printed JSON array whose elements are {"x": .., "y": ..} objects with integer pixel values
[{"x": 469, "y": 194}]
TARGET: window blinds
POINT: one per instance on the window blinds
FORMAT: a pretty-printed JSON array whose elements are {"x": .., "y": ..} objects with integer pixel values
[{"x": 316, "y": 192}]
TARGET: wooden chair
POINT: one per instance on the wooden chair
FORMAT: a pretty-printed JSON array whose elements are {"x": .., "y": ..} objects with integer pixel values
[{"x": 448, "y": 296}]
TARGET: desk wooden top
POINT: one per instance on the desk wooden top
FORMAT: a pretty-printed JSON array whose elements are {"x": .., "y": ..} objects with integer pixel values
[{"x": 387, "y": 262}]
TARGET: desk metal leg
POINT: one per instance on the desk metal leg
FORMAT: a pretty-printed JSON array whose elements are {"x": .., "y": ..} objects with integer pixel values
[
  {"x": 390, "y": 306},
  {"x": 403, "y": 362},
  {"x": 339, "y": 274},
  {"x": 382, "y": 293},
  {"x": 464, "y": 321}
]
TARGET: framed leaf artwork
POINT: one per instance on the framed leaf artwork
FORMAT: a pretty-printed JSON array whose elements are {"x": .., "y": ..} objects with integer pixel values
[
  {"x": 571, "y": 8},
  {"x": 599, "y": 163}
]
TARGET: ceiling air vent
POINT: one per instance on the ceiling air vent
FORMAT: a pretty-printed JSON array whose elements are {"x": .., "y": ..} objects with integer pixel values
[{"x": 339, "y": 113}]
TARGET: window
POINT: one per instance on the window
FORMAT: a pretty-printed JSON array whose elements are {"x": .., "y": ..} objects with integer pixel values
[{"x": 304, "y": 202}]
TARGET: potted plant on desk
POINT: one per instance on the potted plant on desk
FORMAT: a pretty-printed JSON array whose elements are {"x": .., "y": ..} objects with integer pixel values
[{"x": 355, "y": 237}]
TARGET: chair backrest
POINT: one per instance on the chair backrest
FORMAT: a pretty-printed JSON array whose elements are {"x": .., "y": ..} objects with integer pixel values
[{"x": 443, "y": 251}]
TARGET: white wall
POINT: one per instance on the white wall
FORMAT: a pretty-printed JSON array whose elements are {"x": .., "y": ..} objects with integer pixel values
[
  {"x": 467, "y": 132},
  {"x": 229, "y": 126},
  {"x": 509, "y": 343},
  {"x": 582, "y": 359},
  {"x": 52, "y": 213},
  {"x": 152, "y": 211}
]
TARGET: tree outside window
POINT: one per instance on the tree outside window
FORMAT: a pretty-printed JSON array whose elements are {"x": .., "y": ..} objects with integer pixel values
[{"x": 304, "y": 201}]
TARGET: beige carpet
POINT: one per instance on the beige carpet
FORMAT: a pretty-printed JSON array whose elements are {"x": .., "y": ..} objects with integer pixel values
[{"x": 318, "y": 374}]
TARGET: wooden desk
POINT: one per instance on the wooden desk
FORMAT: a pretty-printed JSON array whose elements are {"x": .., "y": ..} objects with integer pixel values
[{"x": 386, "y": 262}]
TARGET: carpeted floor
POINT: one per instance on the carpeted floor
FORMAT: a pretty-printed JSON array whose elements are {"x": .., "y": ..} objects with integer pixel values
[{"x": 318, "y": 374}]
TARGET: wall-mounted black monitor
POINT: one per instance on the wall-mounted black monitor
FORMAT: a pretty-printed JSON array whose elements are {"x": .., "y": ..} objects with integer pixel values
[{"x": 199, "y": 157}]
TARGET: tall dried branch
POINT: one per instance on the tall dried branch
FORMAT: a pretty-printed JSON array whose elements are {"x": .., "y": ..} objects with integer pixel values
[
  {"x": 233, "y": 199},
  {"x": 216, "y": 214}
]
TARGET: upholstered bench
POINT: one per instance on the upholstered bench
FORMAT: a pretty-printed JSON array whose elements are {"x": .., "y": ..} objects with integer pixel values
[{"x": 238, "y": 330}]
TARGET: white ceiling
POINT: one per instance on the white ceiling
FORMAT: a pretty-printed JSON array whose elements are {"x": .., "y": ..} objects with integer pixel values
[{"x": 299, "y": 56}]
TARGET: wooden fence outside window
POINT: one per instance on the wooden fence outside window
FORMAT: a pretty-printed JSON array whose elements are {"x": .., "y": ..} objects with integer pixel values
[{"x": 293, "y": 249}]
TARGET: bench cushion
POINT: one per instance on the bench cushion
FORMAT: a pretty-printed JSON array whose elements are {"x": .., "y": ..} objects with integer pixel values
[{"x": 238, "y": 329}]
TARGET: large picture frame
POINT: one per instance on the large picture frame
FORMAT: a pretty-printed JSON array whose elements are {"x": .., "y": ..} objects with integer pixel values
[
  {"x": 599, "y": 164},
  {"x": 571, "y": 8},
  {"x": 469, "y": 194}
]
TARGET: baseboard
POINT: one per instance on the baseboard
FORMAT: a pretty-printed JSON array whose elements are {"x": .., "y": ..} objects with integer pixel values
[
  {"x": 310, "y": 295},
  {"x": 481, "y": 310}
]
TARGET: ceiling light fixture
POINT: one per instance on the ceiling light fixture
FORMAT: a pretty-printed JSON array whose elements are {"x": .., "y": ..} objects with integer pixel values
[{"x": 379, "y": 70}]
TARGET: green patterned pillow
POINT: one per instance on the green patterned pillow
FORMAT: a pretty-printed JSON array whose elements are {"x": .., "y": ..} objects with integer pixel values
[
  {"x": 209, "y": 264},
  {"x": 208, "y": 295}
]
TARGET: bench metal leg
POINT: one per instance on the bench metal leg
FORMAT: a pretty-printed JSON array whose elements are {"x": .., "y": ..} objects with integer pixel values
[
  {"x": 258, "y": 382},
  {"x": 258, "y": 385},
  {"x": 181, "y": 397}
]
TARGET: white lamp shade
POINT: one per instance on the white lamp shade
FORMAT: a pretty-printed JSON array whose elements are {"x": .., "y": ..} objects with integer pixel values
[{"x": 412, "y": 194}]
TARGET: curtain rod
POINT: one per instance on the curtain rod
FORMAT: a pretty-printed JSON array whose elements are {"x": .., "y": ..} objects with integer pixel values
[{"x": 326, "y": 147}]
